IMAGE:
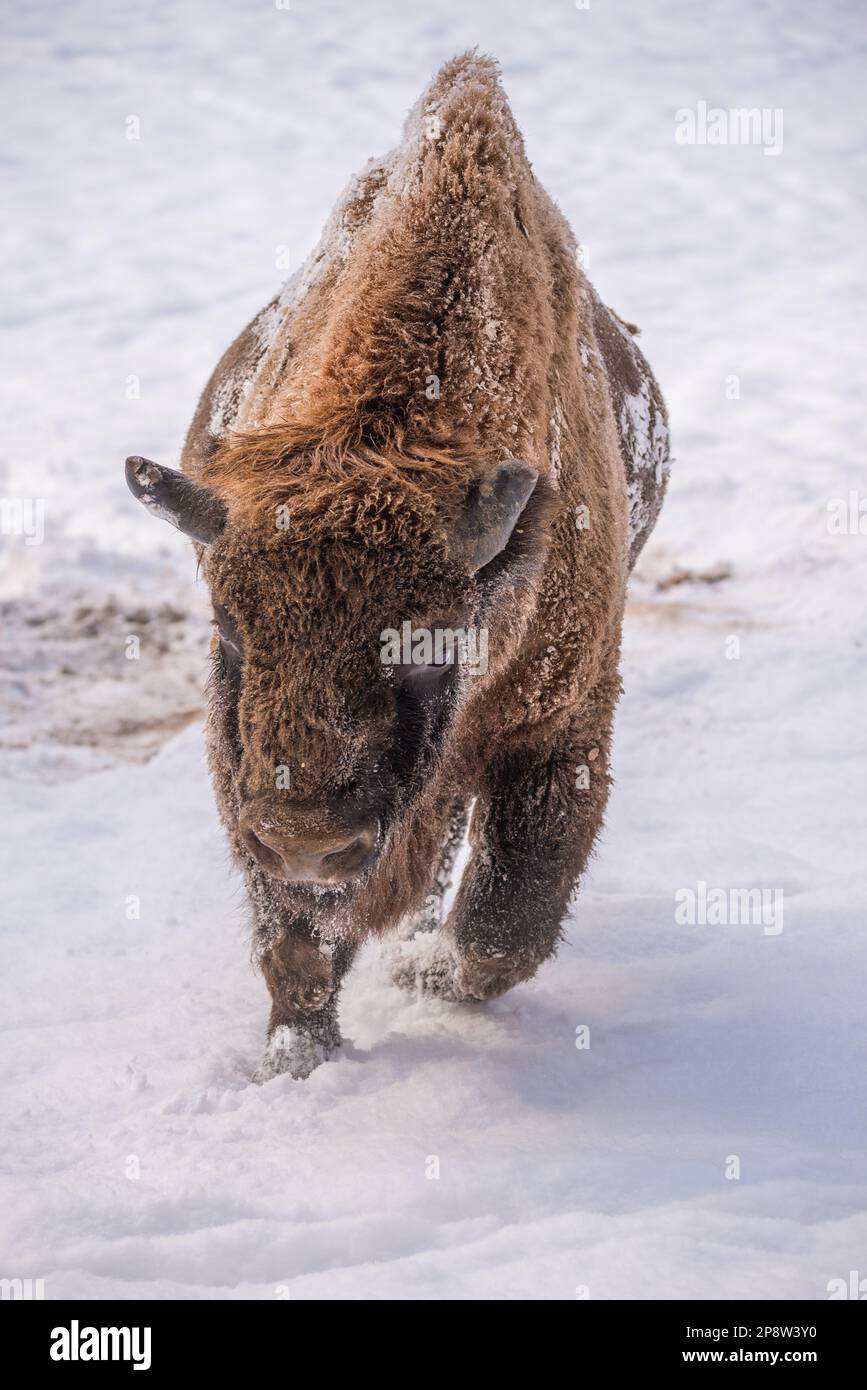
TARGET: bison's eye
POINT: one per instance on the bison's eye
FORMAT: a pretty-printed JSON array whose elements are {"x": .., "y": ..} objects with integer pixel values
[
  {"x": 428, "y": 679},
  {"x": 429, "y": 663}
]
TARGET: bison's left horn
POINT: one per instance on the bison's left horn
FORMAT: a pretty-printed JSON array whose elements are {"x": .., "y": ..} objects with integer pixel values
[
  {"x": 193, "y": 508},
  {"x": 493, "y": 509}
]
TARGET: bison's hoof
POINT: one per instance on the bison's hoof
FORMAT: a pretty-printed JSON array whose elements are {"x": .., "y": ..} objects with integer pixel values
[
  {"x": 298, "y": 1053},
  {"x": 426, "y": 965},
  {"x": 485, "y": 974}
]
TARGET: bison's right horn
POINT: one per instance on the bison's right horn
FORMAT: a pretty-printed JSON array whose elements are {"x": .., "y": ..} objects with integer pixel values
[{"x": 192, "y": 507}]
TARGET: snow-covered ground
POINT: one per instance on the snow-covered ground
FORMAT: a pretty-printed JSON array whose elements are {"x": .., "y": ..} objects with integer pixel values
[{"x": 450, "y": 1152}]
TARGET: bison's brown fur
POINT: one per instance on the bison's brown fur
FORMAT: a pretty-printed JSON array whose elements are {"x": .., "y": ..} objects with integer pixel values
[{"x": 442, "y": 325}]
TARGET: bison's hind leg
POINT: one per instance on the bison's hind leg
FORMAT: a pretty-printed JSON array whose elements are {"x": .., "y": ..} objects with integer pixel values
[
  {"x": 426, "y": 963},
  {"x": 418, "y": 959},
  {"x": 432, "y": 912}
]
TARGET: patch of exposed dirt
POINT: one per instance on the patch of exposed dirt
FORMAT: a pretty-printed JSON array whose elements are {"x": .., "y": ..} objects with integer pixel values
[
  {"x": 103, "y": 678},
  {"x": 714, "y": 575}
]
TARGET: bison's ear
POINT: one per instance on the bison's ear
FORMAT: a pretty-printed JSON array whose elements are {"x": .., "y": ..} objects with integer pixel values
[
  {"x": 492, "y": 511},
  {"x": 194, "y": 509}
]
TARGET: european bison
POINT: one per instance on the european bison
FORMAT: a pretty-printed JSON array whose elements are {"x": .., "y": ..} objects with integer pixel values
[{"x": 417, "y": 483}]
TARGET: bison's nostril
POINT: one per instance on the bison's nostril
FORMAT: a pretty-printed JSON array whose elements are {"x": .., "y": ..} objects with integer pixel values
[
  {"x": 352, "y": 857},
  {"x": 264, "y": 854}
]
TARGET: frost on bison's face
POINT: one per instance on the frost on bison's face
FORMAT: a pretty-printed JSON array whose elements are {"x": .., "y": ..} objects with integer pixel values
[{"x": 351, "y": 628}]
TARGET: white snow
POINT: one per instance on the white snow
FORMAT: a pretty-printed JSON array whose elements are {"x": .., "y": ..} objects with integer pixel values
[{"x": 449, "y": 1152}]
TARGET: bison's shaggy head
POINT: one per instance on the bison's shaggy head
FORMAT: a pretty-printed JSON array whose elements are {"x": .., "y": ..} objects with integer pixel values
[{"x": 357, "y": 611}]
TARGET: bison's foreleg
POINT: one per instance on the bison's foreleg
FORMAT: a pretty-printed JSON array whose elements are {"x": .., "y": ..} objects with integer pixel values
[
  {"x": 531, "y": 835},
  {"x": 303, "y": 977}
]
